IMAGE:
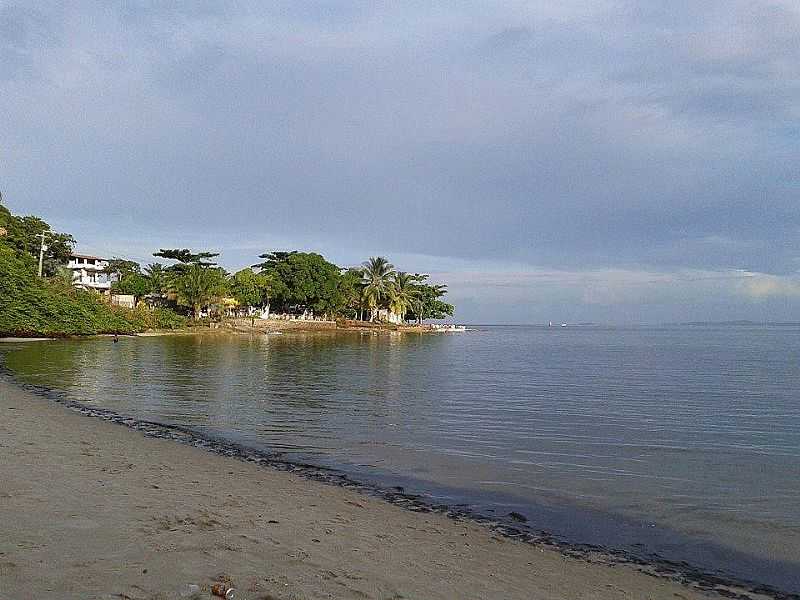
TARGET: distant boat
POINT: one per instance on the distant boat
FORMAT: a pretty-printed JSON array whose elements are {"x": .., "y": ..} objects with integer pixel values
[{"x": 563, "y": 324}]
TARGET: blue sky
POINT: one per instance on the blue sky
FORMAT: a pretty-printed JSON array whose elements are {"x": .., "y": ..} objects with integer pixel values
[{"x": 615, "y": 161}]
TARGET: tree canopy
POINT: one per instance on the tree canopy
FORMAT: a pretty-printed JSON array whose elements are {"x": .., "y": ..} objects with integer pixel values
[
  {"x": 197, "y": 285},
  {"x": 429, "y": 303},
  {"x": 303, "y": 279},
  {"x": 250, "y": 288},
  {"x": 292, "y": 281},
  {"x": 377, "y": 274},
  {"x": 187, "y": 257},
  {"x": 22, "y": 235}
]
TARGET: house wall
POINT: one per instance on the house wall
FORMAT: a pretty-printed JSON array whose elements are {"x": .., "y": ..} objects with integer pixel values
[
  {"x": 125, "y": 300},
  {"x": 88, "y": 273}
]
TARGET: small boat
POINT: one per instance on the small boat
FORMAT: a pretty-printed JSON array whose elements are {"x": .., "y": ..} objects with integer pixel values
[
  {"x": 449, "y": 328},
  {"x": 563, "y": 324}
]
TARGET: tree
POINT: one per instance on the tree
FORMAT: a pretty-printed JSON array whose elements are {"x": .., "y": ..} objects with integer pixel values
[
  {"x": 428, "y": 303},
  {"x": 157, "y": 275},
  {"x": 250, "y": 288},
  {"x": 121, "y": 268},
  {"x": 303, "y": 280},
  {"x": 377, "y": 278},
  {"x": 134, "y": 284},
  {"x": 351, "y": 291},
  {"x": 128, "y": 278},
  {"x": 402, "y": 293},
  {"x": 187, "y": 257},
  {"x": 197, "y": 285},
  {"x": 195, "y": 279},
  {"x": 22, "y": 234},
  {"x": 63, "y": 279},
  {"x": 273, "y": 258}
]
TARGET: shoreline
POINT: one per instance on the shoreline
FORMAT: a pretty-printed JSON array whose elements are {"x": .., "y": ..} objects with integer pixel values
[
  {"x": 240, "y": 326},
  {"x": 689, "y": 579}
]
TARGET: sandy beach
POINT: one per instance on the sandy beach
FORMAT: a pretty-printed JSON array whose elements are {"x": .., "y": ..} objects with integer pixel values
[{"x": 91, "y": 509}]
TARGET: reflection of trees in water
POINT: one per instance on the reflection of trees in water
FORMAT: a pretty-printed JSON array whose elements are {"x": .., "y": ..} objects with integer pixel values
[
  {"x": 37, "y": 362},
  {"x": 73, "y": 366},
  {"x": 296, "y": 391}
]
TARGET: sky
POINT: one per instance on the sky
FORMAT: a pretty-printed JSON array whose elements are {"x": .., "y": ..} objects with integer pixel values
[{"x": 581, "y": 161}]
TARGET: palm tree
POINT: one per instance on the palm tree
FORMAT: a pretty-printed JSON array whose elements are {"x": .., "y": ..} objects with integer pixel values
[
  {"x": 64, "y": 278},
  {"x": 377, "y": 277},
  {"x": 403, "y": 294},
  {"x": 196, "y": 285},
  {"x": 158, "y": 278}
]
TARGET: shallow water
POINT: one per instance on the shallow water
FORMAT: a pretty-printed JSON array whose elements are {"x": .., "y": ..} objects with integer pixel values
[{"x": 693, "y": 430}]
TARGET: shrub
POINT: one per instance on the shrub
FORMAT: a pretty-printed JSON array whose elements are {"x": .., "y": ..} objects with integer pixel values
[
  {"x": 31, "y": 306},
  {"x": 154, "y": 318}
]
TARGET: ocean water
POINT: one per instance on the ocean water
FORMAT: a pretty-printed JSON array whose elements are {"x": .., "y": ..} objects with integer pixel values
[{"x": 679, "y": 441}]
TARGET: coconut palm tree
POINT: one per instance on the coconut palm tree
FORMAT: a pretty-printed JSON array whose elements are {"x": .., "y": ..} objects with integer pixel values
[
  {"x": 157, "y": 275},
  {"x": 403, "y": 294},
  {"x": 377, "y": 277},
  {"x": 196, "y": 286}
]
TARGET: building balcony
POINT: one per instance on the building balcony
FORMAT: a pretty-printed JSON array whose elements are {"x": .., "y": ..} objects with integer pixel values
[{"x": 80, "y": 266}]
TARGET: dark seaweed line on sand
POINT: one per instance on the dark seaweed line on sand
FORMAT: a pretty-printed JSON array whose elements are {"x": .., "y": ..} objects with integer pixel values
[{"x": 509, "y": 527}]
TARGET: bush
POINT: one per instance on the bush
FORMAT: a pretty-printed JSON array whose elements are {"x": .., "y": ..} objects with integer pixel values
[
  {"x": 31, "y": 306},
  {"x": 153, "y": 318}
]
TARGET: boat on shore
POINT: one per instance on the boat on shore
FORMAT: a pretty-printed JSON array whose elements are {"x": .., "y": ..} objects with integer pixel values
[{"x": 447, "y": 328}]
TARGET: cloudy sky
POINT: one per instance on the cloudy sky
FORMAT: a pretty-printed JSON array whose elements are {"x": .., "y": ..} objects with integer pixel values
[{"x": 603, "y": 160}]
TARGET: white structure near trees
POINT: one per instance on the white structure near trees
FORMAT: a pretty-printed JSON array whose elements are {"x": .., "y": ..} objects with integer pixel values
[
  {"x": 389, "y": 316},
  {"x": 88, "y": 273}
]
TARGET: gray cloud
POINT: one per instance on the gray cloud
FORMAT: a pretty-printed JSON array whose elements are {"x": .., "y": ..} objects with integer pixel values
[{"x": 570, "y": 136}]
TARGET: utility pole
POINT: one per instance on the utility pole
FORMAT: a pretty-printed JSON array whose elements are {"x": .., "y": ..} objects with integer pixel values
[{"x": 41, "y": 250}]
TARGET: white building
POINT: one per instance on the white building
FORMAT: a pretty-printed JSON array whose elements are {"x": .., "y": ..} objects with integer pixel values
[{"x": 87, "y": 273}]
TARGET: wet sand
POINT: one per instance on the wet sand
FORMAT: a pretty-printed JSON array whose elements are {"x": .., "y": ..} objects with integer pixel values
[{"x": 90, "y": 509}]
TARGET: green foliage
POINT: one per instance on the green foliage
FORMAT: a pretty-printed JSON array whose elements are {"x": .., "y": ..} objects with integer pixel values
[
  {"x": 307, "y": 280},
  {"x": 122, "y": 268},
  {"x": 154, "y": 318},
  {"x": 403, "y": 293},
  {"x": 351, "y": 291},
  {"x": 129, "y": 278},
  {"x": 30, "y": 306},
  {"x": 158, "y": 277},
  {"x": 195, "y": 280},
  {"x": 185, "y": 256},
  {"x": 377, "y": 279},
  {"x": 250, "y": 288},
  {"x": 134, "y": 284},
  {"x": 63, "y": 278},
  {"x": 196, "y": 286},
  {"x": 304, "y": 279},
  {"x": 272, "y": 259},
  {"x": 21, "y": 235},
  {"x": 428, "y": 303}
]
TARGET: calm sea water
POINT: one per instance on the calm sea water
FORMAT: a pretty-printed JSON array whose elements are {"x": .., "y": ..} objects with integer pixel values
[{"x": 684, "y": 439}]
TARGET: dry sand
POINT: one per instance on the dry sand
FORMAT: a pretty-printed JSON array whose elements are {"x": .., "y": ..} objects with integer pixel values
[{"x": 90, "y": 509}]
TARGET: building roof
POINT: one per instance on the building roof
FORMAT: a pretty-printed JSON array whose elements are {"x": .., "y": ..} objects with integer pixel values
[{"x": 74, "y": 255}]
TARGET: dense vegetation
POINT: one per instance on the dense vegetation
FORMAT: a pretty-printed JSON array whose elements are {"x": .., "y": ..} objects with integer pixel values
[
  {"x": 193, "y": 284},
  {"x": 297, "y": 281},
  {"x": 22, "y": 235},
  {"x": 30, "y": 305},
  {"x": 51, "y": 306},
  {"x": 285, "y": 282}
]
